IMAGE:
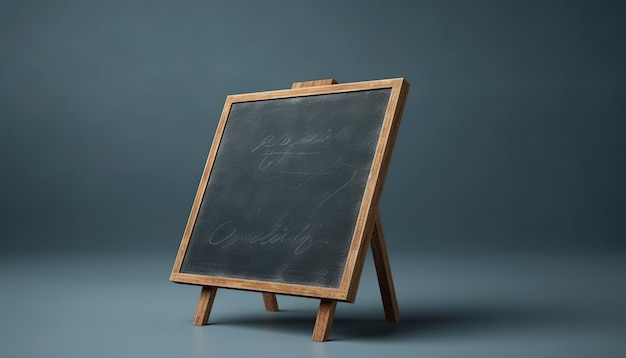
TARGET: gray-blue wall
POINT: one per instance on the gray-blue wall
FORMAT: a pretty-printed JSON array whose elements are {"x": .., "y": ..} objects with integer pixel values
[{"x": 513, "y": 136}]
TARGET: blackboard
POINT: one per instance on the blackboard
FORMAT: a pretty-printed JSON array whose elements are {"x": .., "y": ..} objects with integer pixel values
[{"x": 288, "y": 189}]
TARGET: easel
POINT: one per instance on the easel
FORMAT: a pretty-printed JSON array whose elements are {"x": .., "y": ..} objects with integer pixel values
[{"x": 326, "y": 312}]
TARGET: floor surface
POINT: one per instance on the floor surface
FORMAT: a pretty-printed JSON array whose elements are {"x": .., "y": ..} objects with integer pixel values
[{"x": 484, "y": 305}]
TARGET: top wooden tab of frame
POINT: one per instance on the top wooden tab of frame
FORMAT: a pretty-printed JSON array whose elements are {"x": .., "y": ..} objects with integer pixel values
[{"x": 324, "y": 82}]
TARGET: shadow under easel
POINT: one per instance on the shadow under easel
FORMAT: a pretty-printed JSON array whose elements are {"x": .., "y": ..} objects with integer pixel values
[{"x": 417, "y": 323}]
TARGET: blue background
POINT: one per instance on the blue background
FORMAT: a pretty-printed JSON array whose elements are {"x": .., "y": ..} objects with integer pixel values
[{"x": 512, "y": 138}]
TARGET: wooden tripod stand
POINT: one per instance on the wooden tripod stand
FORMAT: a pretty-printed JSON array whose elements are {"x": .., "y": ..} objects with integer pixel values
[{"x": 325, "y": 314}]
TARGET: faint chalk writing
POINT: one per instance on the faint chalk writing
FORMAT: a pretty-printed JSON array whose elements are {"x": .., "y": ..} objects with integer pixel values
[
  {"x": 273, "y": 159},
  {"x": 271, "y": 140},
  {"x": 333, "y": 171},
  {"x": 227, "y": 234},
  {"x": 281, "y": 153}
]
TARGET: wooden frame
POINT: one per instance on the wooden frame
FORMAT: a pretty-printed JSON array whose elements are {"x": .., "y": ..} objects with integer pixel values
[{"x": 368, "y": 228}]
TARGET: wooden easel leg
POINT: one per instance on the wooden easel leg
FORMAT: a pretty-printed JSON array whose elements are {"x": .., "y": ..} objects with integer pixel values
[
  {"x": 383, "y": 271},
  {"x": 203, "y": 310},
  {"x": 324, "y": 321},
  {"x": 270, "y": 302}
]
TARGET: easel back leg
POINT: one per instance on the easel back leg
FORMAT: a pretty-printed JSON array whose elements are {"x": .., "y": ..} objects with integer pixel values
[
  {"x": 383, "y": 271},
  {"x": 271, "y": 304}
]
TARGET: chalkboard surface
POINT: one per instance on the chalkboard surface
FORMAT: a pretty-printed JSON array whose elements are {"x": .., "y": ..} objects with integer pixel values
[{"x": 286, "y": 188}]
